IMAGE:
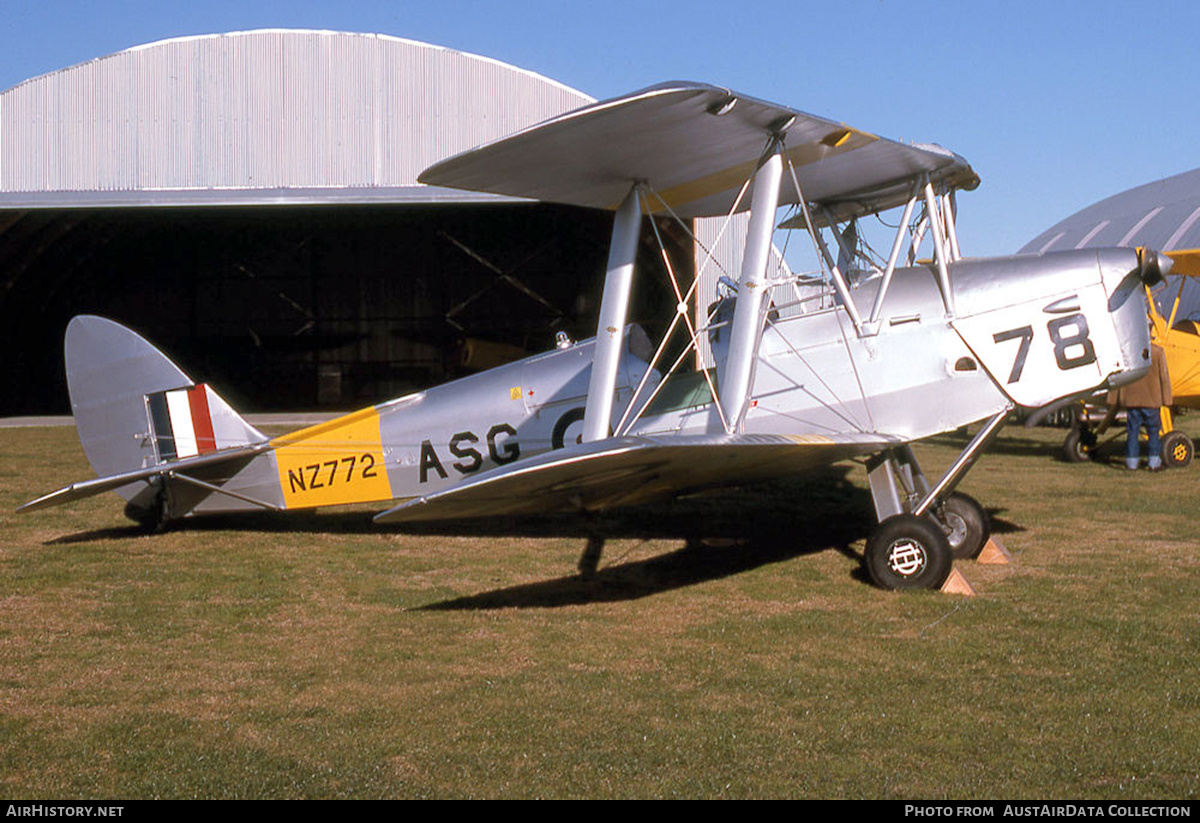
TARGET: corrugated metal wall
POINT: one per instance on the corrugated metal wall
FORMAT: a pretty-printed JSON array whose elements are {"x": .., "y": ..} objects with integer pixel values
[
  {"x": 262, "y": 109},
  {"x": 720, "y": 246},
  {"x": 270, "y": 299}
]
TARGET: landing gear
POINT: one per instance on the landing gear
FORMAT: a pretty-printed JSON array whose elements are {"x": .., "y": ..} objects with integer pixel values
[
  {"x": 922, "y": 528},
  {"x": 966, "y": 525},
  {"x": 151, "y": 508},
  {"x": 1177, "y": 450},
  {"x": 908, "y": 552},
  {"x": 1079, "y": 444}
]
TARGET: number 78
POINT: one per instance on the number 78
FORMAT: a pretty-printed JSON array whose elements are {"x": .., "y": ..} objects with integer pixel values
[{"x": 1065, "y": 333}]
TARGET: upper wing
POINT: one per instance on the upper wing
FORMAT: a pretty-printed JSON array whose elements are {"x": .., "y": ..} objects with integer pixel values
[
  {"x": 695, "y": 150},
  {"x": 1185, "y": 262},
  {"x": 626, "y": 471}
]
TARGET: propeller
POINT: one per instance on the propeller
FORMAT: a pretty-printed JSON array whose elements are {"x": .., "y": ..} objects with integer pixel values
[{"x": 1153, "y": 265}]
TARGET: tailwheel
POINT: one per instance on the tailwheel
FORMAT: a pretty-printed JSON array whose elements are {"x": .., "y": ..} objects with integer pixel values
[
  {"x": 1177, "y": 450},
  {"x": 150, "y": 508},
  {"x": 908, "y": 552},
  {"x": 966, "y": 525}
]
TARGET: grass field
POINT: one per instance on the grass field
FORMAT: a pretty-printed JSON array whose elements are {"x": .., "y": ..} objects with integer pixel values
[{"x": 728, "y": 647}]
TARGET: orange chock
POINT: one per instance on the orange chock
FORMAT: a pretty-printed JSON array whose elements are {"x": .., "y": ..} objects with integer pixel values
[
  {"x": 994, "y": 553},
  {"x": 957, "y": 584}
]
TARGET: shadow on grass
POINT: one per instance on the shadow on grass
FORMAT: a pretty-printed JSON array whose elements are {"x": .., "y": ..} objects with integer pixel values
[
  {"x": 723, "y": 533},
  {"x": 696, "y": 562},
  {"x": 823, "y": 497},
  {"x": 1011, "y": 442}
]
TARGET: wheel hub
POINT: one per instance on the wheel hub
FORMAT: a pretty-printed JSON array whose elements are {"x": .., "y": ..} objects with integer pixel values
[
  {"x": 906, "y": 557},
  {"x": 956, "y": 529}
]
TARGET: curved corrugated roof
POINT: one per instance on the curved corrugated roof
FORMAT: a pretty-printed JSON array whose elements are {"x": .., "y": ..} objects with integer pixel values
[
  {"x": 1164, "y": 215},
  {"x": 260, "y": 116}
]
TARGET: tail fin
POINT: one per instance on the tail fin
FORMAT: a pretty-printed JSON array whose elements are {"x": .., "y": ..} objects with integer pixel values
[{"x": 135, "y": 409}]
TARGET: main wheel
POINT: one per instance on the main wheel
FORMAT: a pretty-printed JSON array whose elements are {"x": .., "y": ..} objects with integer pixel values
[
  {"x": 1177, "y": 450},
  {"x": 908, "y": 552},
  {"x": 966, "y": 525}
]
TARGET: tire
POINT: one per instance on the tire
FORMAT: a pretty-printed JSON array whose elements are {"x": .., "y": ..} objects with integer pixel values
[
  {"x": 908, "y": 552},
  {"x": 1177, "y": 450},
  {"x": 966, "y": 525},
  {"x": 1076, "y": 447}
]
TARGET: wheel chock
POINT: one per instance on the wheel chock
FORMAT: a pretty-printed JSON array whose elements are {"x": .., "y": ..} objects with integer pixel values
[
  {"x": 957, "y": 584},
  {"x": 993, "y": 553}
]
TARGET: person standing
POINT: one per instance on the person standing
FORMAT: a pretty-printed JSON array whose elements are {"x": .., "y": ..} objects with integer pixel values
[{"x": 1143, "y": 401}]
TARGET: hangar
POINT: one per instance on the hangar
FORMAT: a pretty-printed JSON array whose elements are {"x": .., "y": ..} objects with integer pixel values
[
  {"x": 249, "y": 201},
  {"x": 1163, "y": 214}
]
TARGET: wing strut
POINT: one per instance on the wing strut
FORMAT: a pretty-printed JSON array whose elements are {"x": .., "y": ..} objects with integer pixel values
[
  {"x": 901, "y": 230},
  {"x": 940, "y": 247},
  {"x": 614, "y": 306},
  {"x": 835, "y": 274},
  {"x": 747, "y": 315}
]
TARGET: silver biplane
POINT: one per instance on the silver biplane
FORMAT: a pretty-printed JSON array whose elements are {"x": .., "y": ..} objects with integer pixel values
[{"x": 856, "y": 361}]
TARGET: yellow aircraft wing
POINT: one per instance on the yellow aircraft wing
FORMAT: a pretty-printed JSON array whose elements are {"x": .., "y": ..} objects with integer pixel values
[{"x": 1186, "y": 262}]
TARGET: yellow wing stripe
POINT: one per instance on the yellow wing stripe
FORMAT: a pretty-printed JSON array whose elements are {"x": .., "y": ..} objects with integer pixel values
[
  {"x": 810, "y": 439},
  {"x": 803, "y": 154}
]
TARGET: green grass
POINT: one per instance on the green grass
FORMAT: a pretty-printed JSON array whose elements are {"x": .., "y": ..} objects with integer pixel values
[{"x": 316, "y": 655}]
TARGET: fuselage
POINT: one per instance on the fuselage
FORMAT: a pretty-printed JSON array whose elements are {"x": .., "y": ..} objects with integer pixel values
[{"x": 1025, "y": 330}]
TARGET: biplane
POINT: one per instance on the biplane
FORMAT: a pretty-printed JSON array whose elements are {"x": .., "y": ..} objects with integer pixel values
[
  {"x": 1179, "y": 337},
  {"x": 1180, "y": 340},
  {"x": 855, "y": 360}
]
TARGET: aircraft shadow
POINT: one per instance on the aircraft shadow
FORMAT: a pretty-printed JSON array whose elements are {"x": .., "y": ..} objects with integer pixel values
[
  {"x": 722, "y": 533},
  {"x": 1010, "y": 442},
  {"x": 696, "y": 562},
  {"x": 824, "y": 495}
]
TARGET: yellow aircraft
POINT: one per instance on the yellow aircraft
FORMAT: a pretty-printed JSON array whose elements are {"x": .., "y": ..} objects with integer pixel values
[{"x": 1180, "y": 342}]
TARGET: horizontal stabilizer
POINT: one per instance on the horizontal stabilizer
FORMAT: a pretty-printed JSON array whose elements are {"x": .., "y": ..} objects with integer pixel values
[
  {"x": 87, "y": 488},
  {"x": 694, "y": 145},
  {"x": 627, "y": 471}
]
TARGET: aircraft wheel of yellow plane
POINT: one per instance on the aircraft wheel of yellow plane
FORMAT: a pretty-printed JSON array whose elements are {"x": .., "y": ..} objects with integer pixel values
[
  {"x": 1177, "y": 450},
  {"x": 1077, "y": 446},
  {"x": 966, "y": 525},
  {"x": 908, "y": 552}
]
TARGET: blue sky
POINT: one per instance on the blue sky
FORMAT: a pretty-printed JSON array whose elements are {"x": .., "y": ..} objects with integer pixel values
[{"x": 1055, "y": 104}]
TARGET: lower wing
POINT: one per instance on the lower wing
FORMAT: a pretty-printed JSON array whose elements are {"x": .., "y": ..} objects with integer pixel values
[{"x": 628, "y": 471}]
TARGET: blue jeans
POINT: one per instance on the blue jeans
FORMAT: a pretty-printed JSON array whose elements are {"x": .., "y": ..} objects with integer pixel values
[{"x": 1135, "y": 420}]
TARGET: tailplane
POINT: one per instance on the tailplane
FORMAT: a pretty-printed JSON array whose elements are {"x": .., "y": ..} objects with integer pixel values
[{"x": 153, "y": 435}]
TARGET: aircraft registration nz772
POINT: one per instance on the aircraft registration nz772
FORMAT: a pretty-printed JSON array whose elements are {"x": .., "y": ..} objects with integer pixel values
[{"x": 856, "y": 360}]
